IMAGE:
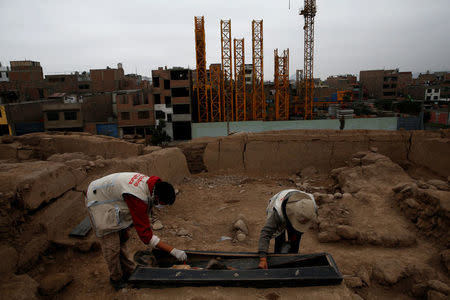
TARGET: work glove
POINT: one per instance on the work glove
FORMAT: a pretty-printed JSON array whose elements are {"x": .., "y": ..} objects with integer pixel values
[
  {"x": 179, "y": 254},
  {"x": 263, "y": 263}
]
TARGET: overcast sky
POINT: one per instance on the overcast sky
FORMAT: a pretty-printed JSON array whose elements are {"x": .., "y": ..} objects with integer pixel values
[{"x": 351, "y": 35}]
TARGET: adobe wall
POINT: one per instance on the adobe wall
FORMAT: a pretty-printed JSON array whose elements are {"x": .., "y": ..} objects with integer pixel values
[{"x": 291, "y": 151}]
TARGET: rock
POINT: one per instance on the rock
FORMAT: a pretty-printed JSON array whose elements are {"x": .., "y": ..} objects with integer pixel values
[
  {"x": 438, "y": 286},
  {"x": 92, "y": 164},
  {"x": 419, "y": 290},
  {"x": 77, "y": 163},
  {"x": 9, "y": 259},
  {"x": 347, "y": 232},
  {"x": 374, "y": 149},
  {"x": 412, "y": 203},
  {"x": 328, "y": 237},
  {"x": 400, "y": 186},
  {"x": 24, "y": 154},
  {"x": 353, "y": 282},
  {"x": 157, "y": 225},
  {"x": 441, "y": 185},
  {"x": 272, "y": 296},
  {"x": 363, "y": 273},
  {"x": 308, "y": 172},
  {"x": 433, "y": 295},
  {"x": 183, "y": 232},
  {"x": 422, "y": 184},
  {"x": 21, "y": 287},
  {"x": 32, "y": 251},
  {"x": 337, "y": 195},
  {"x": 445, "y": 259},
  {"x": 388, "y": 271},
  {"x": 241, "y": 236},
  {"x": 53, "y": 283},
  {"x": 240, "y": 225},
  {"x": 150, "y": 149}
]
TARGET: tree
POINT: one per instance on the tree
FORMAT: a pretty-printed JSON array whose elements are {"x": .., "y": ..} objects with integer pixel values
[{"x": 158, "y": 136}]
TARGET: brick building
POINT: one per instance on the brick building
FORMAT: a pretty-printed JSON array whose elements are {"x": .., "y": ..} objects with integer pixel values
[
  {"x": 341, "y": 82},
  {"x": 385, "y": 84},
  {"x": 135, "y": 111},
  {"x": 172, "y": 92}
]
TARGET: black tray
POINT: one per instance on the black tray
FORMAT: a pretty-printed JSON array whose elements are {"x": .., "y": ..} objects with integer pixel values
[{"x": 284, "y": 270}]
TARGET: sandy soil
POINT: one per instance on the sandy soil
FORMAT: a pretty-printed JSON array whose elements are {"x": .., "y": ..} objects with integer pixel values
[{"x": 206, "y": 206}]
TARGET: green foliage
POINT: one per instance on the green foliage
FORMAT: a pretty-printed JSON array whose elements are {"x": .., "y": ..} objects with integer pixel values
[
  {"x": 158, "y": 136},
  {"x": 361, "y": 109},
  {"x": 382, "y": 104},
  {"x": 408, "y": 107}
]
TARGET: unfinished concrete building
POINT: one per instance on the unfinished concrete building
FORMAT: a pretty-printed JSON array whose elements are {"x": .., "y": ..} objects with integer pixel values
[{"x": 172, "y": 88}]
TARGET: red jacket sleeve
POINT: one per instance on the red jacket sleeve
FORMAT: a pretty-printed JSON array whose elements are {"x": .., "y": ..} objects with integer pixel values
[{"x": 138, "y": 210}]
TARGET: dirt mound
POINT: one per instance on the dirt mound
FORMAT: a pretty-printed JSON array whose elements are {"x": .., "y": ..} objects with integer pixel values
[
  {"x": 365, "y": 184},
  {"x": 427, "y": 207}
]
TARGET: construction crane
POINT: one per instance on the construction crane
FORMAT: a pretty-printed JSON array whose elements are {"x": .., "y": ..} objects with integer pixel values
[
  {"x": 258, "y": 96},
  {"x": 309, "y": 12},
  {"x": 227, "y": 71},
  {"x": 281, "y": 85},
  {"x": 239, "y": 80},
  {"x": 201, "y": 84}
]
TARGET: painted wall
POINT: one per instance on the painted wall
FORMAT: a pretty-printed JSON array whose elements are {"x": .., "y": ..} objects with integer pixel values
[{"x": 220, "y": 128}]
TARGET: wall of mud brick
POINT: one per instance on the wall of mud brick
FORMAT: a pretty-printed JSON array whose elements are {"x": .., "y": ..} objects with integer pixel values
[{"x": 290, "y": 152}]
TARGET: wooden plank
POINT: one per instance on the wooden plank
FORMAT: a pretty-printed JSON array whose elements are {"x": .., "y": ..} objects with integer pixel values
[{"x": 82, "y": 229}]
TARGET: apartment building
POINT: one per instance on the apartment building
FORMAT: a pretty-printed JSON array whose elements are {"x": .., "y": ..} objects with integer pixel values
[{"x": 385, "y": 84}]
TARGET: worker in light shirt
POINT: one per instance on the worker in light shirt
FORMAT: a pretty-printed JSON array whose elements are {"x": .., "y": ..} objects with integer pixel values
[
  {"x": 117, "y": 201},
  {"x": 290, "y": 212}
]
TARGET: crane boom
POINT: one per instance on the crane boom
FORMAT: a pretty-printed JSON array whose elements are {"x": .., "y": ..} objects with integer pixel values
[{"x": 309, "y": 12}]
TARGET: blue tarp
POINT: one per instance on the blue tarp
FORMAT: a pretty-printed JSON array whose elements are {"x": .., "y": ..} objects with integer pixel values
[
  {"x": 24, "y": 128},
  {"x": 108, "y": 129}
]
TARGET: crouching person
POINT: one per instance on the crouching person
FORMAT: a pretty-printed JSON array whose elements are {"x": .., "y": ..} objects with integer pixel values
[
  {"x": 289, "y": 212},
  {"x": 117, "y": 201}
]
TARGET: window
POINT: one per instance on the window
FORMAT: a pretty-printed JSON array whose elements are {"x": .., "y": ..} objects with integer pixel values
[
  {"x": 52, "y": 116},
  {"x": 70, "y": 115},
  {"x": 83, "y": 86},
  {"x": 143, "y": 114},
  {"x": 181, "y": 109},
  {"x": 136, "y": 98},
  {"x": 155, "y": 81},
  {"x": 125, "y": 115},
  {"x": 436, "y": 90},
  {"x": 167, "y": 84},
  {"x": 168, "y": 101},
  {"x": 169, "y": 117},
  {"x": 123, "y": 99},
  {"x": 429, "y": 91},
  {"x": 435, "y": 97},
  {"x": 179, "y": 74},
  {"x": 180, "y": 92},
  {"x": 157, "y": 98},
  {"x": 428, "y": 97},
  {"x": 145, "y": 99},
  {"x": 160, "y": 114}
]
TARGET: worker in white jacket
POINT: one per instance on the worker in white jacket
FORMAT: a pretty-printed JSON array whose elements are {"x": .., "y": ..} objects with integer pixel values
[{"x": 289, "y": 212}]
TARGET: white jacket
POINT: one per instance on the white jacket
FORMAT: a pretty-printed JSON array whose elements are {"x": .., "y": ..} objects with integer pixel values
[{"x": 104, "y": 200}]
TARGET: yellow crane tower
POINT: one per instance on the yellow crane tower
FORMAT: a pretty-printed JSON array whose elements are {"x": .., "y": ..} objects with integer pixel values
[{"x": 309, "y": 12}]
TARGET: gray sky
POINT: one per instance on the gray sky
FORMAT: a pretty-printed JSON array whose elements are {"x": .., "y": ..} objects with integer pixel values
[{"x": 351, "y": 35}]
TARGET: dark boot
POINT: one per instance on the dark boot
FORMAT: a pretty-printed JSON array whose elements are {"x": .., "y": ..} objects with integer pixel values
[{"x": 118, "y": 284}]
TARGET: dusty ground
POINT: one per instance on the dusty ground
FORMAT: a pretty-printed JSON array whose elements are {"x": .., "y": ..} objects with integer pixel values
[
  {"x": 385, "y": 244},
  {"x": 207, "y": 206}
]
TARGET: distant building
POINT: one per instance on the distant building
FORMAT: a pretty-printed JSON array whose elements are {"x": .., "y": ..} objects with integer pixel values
[
  {"x": 63, "y": 117},
  {"x": 135, "y": 111},
  {"x": 248, "y": 73},
  {"x": 4, "y": 73},
  {"x": 26, "y": 71},
  {"x": 107, "y": 80},
  {"x": 385, "y": 84},
  {"x": 172, "y": 93},
  {"x": 341, "y": 82}
]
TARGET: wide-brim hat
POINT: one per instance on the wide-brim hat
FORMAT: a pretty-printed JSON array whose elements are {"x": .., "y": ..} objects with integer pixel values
[{"x": 301, "y": 211}]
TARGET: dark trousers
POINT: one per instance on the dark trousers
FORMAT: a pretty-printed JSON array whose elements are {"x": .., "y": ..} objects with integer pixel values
[{"x": 291, "y": 245}]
